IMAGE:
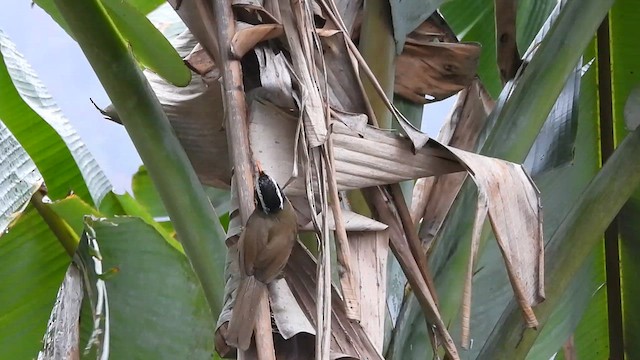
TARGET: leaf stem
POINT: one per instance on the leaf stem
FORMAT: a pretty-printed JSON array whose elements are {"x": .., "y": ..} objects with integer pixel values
[
  {"x": 63, "y": 232},
  {"x": 195, "y": 220}
]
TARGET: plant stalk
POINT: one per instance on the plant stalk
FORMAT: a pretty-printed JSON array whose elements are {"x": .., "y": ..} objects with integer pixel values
[
  {"x": 63, "y": 232},
  {"x": 377, "y": 47},
  {"x": 195, "y": 220}
]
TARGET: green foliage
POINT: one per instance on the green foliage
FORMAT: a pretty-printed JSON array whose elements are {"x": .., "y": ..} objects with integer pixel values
[
  {"x": 154, "y": 297},
  {"x": 148, "y": 44},
  {"x": 33, "y": 266},
  {"x": 406, "y": 16},
  {"x": 27, "y": 110},
  {"x": 157, "y": 306},
  {"x": 474, "y": 20}
]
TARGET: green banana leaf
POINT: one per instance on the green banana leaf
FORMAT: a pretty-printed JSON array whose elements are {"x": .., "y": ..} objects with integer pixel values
[
  {"x": 33, "y": 266},
  {"x": 19, "y": 178},
  {"x": 407, "y": 15},
  {"x": 451, "y": 254},
  {"x": 148, "y": 44},
  {"x": 474, "y": 20},
  {"x": 29, "y": 112},
  {"x": 156, "y": 305}
]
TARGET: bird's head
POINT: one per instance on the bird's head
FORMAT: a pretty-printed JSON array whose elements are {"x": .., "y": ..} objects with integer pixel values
[{"x": 269, "y": 196}]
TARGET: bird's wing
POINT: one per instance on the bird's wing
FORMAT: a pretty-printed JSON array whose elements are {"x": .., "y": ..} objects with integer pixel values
[
  {"x": 272, "y": 260},
  {"x": 252, "y": 240}
]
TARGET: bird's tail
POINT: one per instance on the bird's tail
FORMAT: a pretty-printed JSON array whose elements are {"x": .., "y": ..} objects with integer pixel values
[{"x": 245, "y": 308}]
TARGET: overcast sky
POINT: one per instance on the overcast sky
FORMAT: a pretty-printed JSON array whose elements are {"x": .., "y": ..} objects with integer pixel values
[{"x": 64, "y": 70}]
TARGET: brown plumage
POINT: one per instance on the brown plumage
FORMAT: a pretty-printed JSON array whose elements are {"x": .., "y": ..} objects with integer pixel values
[{"x": 263, "y": 250}]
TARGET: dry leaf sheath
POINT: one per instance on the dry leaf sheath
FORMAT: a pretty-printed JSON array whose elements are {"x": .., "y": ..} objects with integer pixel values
[{"x": 264, "y": 248}]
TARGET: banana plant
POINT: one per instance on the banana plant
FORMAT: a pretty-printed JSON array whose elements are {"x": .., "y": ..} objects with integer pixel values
[{"x": 547, "y": 84}]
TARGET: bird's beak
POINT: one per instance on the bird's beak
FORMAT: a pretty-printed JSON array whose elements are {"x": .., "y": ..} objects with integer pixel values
[{"x": 259, "y": 167}]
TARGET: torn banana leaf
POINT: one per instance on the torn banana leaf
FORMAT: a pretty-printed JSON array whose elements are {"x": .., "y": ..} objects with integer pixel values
[
  {"x": 19, "y": 178},
  {"x": 248, "y": 36},
  {"x": 429, "y": 72},
  {"x": 364, "y": 156},
  {"x": 433, "y": 197},
  {"x": 143, "y": 315}
]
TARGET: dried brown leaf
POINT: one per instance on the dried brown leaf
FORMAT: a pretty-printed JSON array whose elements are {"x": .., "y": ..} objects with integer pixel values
[
  {"x": 434, "y": 29},
  {"x": 434, "y": 71},
  {"x": 353, "y": 222},
  {"x": 379, "y": 157},
  {"x": 433, "y": 197},
  {"x": 478, "y": 224},
  {"x": 417, "y": 137},
  {"x": 516, "y": 218},
  {"x": 343, "y": 82},
  {"x": 349, "y": 339},
  {"x": 253, "y": 12},
  {"x": 400, "y": 247},
  {"x": 350, "y": 13},
  {"x": 370, "y": 250},
  {"x": 287, "y": 314},
  {"x": 508, "y": 57},
  {"x": 200, "y": 62},
  {"x": 275, "y": 79},
  {"x": 196, "y": 114},
  {"x": 296, "y": 27},
  {"x": 248, "y": 36},
  {"x": 373, "y": 157}
]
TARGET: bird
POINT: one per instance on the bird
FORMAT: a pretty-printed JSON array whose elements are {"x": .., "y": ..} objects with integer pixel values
[{"x": 264, "y": 248}]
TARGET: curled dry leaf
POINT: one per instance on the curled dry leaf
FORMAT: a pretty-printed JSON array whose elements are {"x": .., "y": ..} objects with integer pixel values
[
  {"x": 433, "y": 197},
  {"x": 353, "y": 221},
  {"x": 343, "y": 82},
  {"x": 429, "y": 72},
  {"x": 201, "y": 63},
  {"x": 514, "y": 209},
  {"x": 275, "y": 79},
  {"x": 302, "y": 50},
  {"x": 433, "y": 65},
  {"x": 248, "y": 36},
  {"x": 364, "y": 157},
  {"x": 506, "y": 193},
  {"x": 417, "y": 137},
  {"x": 410, "y": 267},
  {"x": 196, "y": 114},
  {"x": 434, "y": 29},
  {"x": 255, "y": 11}
]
